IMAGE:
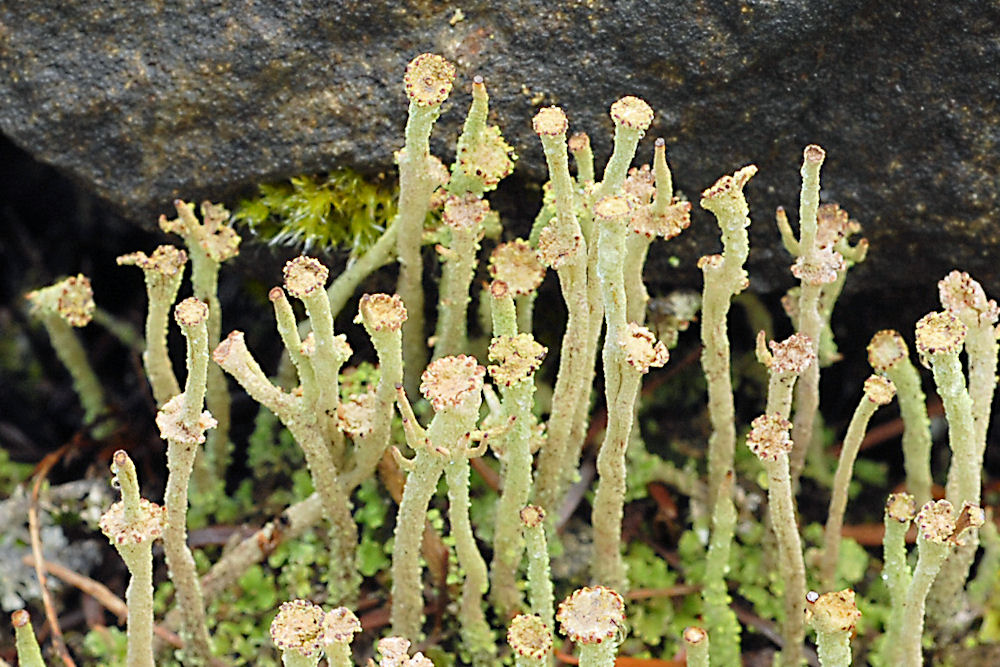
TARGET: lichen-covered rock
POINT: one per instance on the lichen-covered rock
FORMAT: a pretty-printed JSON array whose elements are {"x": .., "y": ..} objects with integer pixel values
[{"x": 145, "y": 102}]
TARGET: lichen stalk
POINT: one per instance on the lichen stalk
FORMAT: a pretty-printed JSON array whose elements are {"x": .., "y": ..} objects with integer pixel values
[
  {"x": 887, "y": 353},
  {"x": 183, "y": 425},
  {"x": 570, "y": 263},
  {"x": 724, "y": 278},
  {"x": 516, "y": 358},
  {"x": 209, "y": 243},
  {"x": 428, "y": 82},
  {"x": 696, "y": 640},
  {"x": 810, "y": 322},
  {"x": 299, "y": 417},
  {"x": 464, "y": 217},
  {"x": 900, "y": 509},
  {"x": 879, "y": 391},
  {"x": 132, "y": 525},
  {"x": 29, "y": 653},
  {"x": 720, "y": 619},
  {"x": 834, "y": 617},
  {"x": 383, "y": 316},
  {"x": 163, "y": 272},
  {"x": 541, "y": 599},
  {"x": 61, "y": 307},
  {"x": 769, "y": 439}
]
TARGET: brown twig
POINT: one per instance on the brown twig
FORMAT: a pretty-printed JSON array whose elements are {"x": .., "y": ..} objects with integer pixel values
[
  {"x": 104, "y": 595},
  {"x": 41, "y": 472}
]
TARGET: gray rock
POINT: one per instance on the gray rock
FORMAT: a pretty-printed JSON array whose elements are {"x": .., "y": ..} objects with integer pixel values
[{"x": 143, "y": 102}]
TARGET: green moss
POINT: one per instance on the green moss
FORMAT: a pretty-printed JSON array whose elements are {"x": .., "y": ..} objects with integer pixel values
[{"x": 341, "y": 209}]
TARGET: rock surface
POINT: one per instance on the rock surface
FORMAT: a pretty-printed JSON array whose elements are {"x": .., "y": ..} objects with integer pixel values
[{"x": 144, "y": 102}]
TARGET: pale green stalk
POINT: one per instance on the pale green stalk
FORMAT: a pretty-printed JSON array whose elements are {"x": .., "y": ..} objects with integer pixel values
[
  {"x": 209, "y": 243},
  {"x": 163, "y": 273},
  {"x": 554, "y": 457},
  {"x": 74, "y": 358},
  {"x": 415, "y": 188},
  {"x": 183, "y": 425},
  {"x": 299, "y": 417},
  {"x": 724, "y": 277},
  {"x": 541, "y": 599},
  {"x": 930, "y": 557},
  {"x": 899, "y": 512},
  {"x": 869, "y": 403},
  {"x": 29, "y": 653},
  {"x": 719, "y": 617},
  {"x": 456, "y": 277},
  {"x": 810, "y": 322},
  {"x": 698, "y": 647},
  {"x": 598, "y": 655}
]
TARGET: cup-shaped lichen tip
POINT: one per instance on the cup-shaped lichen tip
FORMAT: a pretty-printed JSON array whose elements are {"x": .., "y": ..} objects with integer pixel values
[
  {"x": 517, "y": 358},
  {"x": 886, "y": 349},
  {"x": 550, "y": 122},
  {"x": 832, "y": 612},
  {"x": 298, "y": 627},
  {"x": 450, "y": 381},
  {"x": 428, "y": 79},
  {"x": 939, "y": 332},
  {"x": 769, "y": 437},
  {"x": 591, "y": 615},
  {"x": 465, "y": 212},
  {"x": 529, "y": 636},
  {"x": 613, "y": 208},
  {"x": 793, "y": 355},
  {"x": 556, "y": 247},
  {"x": 191, "y": 312},
  {"x": 532, "y": 516},
  {"x": 879, "y": 390},
  {"x": 632, "y": 112},
  {"x": 936, "y": 521},
  {"x": 517, "y": 264},
  {"x": 304, "y": 276},
  {"x": 901, "y": 507},
  {"x": 642, "y": 350},
  {"x": 382, "y": 311},
  {"x": 962, "y": 295},
  {"x": 339, "y": 626}
]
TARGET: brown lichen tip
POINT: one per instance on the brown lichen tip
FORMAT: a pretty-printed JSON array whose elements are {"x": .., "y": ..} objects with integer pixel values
[
  {"x": 886, "y": 349},
  {"x": 963, "y": 296},
  {"x": 879, "y": 390},
  {"x": 640, "y": 185},
  {"x": 694, "y": 635},
  {"x": 428, "y": 79},
  {"x": 632, "y": 112},
  {"x": 936, "y": 521},
  {"x": 532, "y": 516},
  {"x": 465, "y": 212},
  {"x": 901, "y": 507},
  {"x": 769, "y": 437},
  {"x": 517, "y": 358},
  {"x": 20, "y": 618},
  {"x": 76, "y": 300},
  {"x": 491, "y": 158},
  {"x": 833, "y": 224},
  {"x": 304, "y": 275},
  {"x": 166, "y": 260},
  {"x": 613, "y": 208},
  {"x": 499, "y": 289},
  {"x": 382, "y": 311},
  {"x": 231, "y": 351},
  {"x": 675, "y": 219},
  {"x": 555, "y": 248},
  {"x": 190, "y": 312},
  {"x": 971, "y": 516},
  {"x": 729, "y": 186},
  {"x": 642, "y": 350},
  {"x": 819, "y": 269},
  {"x": 529, "y": 636},
  {"x": 939, "y": 333},
  {"x": 591, "y": 615},
  {"x": 813, "y": 154},
  {"x": 793, "y": 355},
  {"x": 580, "y": 141},
  {"x": 833, "y": 612},
  {"x": 298, "y": 627},
  {"x": 450, "y": 381},
  {"x": 550, "y": 122},
  {"x": 170, "y": 421},
  {"x": 356, "y": 414},
  {"x": 148, "y": 526},
  {"x": 219, "y": 241},
  {"x": 517, "y": 264},
  {"x": 339, "y": 626},
  {"x": 394, "y": 653}
]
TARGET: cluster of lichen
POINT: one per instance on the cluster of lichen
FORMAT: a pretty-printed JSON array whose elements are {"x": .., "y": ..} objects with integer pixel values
[{"x": 412, "y": 428}]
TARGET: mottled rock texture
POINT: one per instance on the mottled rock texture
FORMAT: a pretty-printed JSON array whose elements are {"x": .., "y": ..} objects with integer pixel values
[{"x": 146, "y": 101}]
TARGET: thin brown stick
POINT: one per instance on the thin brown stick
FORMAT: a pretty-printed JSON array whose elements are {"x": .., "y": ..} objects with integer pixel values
[
  {"x": 104, "y": 595},
  {"x": 36, "y": 550}
]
